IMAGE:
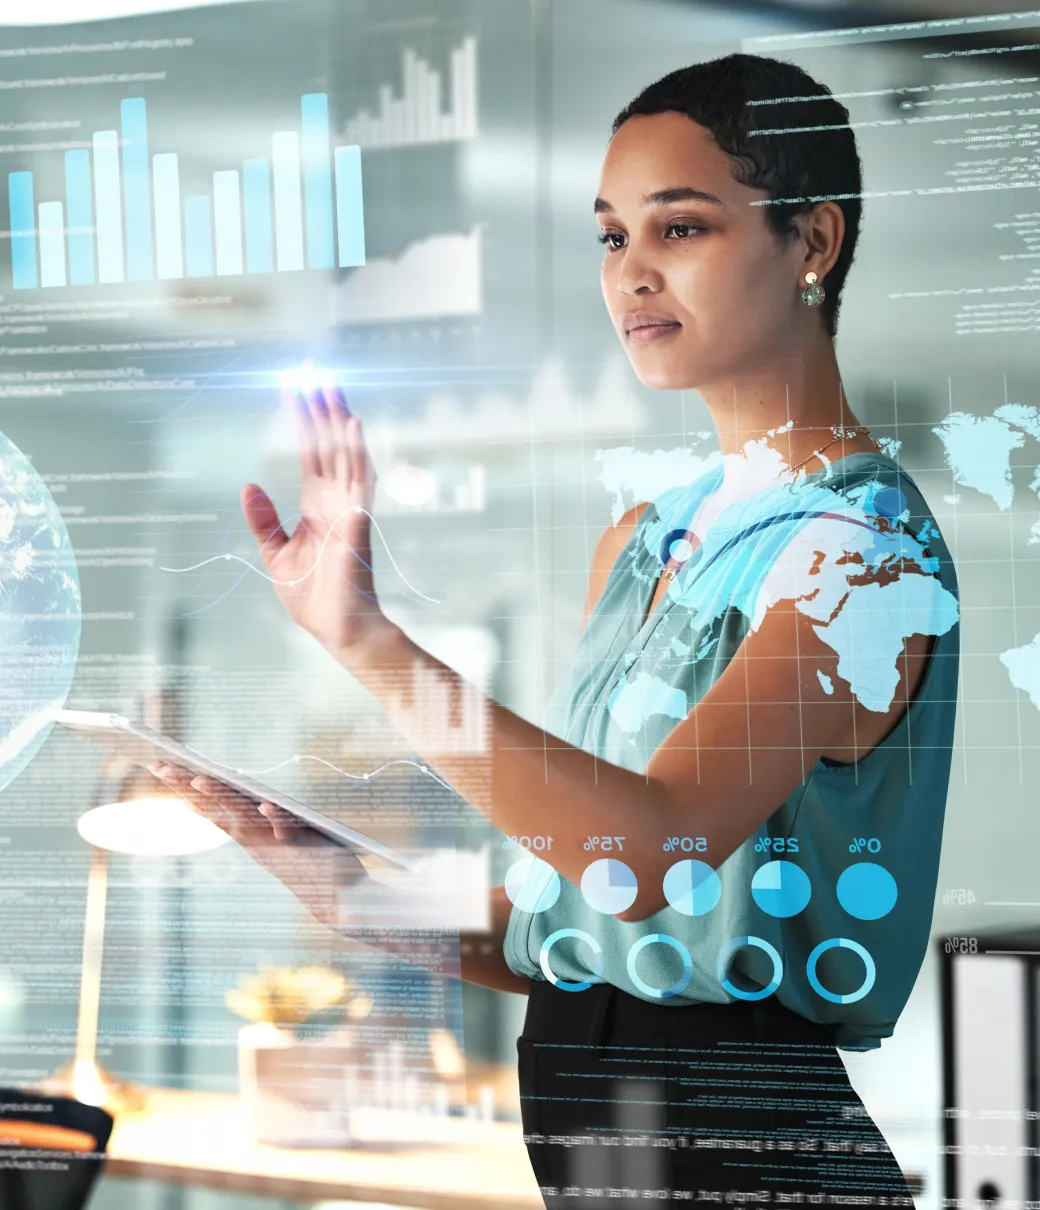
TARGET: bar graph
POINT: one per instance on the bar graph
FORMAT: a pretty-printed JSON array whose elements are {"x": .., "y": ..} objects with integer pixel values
[
  {"x": 52, "y": 244},
  {"x": 417, "y": 116},
  {"x": 124, "y": 219},
  {"x": 136, "y": 189},
  {"x": 198, "y": 236},
  {"x": 23, "y": 230},
  {"x": 80, "y": 230},
  {"x": 169, "y": 246}
]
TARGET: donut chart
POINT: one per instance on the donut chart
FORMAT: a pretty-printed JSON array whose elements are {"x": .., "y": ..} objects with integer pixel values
[
  {"x": 841, "y": 943},
  {"x": 660, "y": 939},
  {"x": 563, "y": 984},
  {"x": 759, "y": 943}
]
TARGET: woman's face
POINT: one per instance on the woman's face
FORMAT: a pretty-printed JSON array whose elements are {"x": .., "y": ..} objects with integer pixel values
[{"x": 684, "y": 244}]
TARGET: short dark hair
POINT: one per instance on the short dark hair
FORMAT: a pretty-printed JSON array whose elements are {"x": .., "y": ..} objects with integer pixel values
[{"x": 800, "y": 150}]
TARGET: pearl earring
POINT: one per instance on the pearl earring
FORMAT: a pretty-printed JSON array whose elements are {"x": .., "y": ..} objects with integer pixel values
[{"x": 814, "y": 293}]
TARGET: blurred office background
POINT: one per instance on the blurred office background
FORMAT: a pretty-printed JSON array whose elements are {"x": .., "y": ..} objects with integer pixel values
[{"x": 507, "y": 429}]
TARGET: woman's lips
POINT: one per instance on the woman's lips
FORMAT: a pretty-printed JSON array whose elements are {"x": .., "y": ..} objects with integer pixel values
[{"x": 651, "y": 332}]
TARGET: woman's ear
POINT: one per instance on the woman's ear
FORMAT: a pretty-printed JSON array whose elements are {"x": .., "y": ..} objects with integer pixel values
[{"x": 823, "y": 230}]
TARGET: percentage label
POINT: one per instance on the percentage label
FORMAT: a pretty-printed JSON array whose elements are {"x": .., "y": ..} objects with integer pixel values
[
  {"x": 538, "y": 843},
  {"x": 959, "y": 895},
  {"x": 961, "y": 945},
  {"x": 873, "y": 845},
  {"x": 605, "y": 843},
  {"x": 687, "y": 844},
  {"x": 777, "y": 844}
]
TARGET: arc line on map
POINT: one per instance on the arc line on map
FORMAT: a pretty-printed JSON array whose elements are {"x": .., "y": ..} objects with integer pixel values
[{"x": 227, "y": 557}]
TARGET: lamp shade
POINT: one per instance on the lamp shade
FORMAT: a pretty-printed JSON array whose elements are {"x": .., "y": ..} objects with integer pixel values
[{"x": 150, "y": 826}]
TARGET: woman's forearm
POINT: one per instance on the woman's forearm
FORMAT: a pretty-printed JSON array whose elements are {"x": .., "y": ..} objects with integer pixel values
[{"x": 522, "y": 779}]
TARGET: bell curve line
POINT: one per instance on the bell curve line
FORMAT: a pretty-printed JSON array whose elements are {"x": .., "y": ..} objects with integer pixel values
[
  {"x": 228, "y": 557},
  {"x": 301, "y": 756},
  {"x": 290, "y": 518}
]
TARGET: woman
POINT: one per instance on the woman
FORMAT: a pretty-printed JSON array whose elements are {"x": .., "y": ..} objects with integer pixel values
[{"x": 760, "y": 707}]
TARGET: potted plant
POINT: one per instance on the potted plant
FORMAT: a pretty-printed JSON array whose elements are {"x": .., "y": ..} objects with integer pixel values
[{"x": 297, "y": 1057}]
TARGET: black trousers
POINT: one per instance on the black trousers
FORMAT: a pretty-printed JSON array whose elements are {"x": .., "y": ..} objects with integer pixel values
[{"x": 624, "y": 1102}]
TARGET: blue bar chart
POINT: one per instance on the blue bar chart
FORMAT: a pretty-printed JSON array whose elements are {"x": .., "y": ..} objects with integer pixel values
[
  {"x": 23, "y": 230},
  {"x": 124, "y": 219},
  {"x": 136, "y": 189}
]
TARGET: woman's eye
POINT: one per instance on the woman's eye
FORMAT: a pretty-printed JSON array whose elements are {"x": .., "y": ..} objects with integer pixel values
[
  {"x": 685, "y": 229},
  {"x": 605, "y": 237}
]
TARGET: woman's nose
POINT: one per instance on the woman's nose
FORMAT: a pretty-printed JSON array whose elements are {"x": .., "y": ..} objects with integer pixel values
[{"x": 638, "y": 273}]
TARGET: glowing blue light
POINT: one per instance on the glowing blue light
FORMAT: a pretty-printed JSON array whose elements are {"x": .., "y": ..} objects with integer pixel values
[{"x": 307, "y": 377}]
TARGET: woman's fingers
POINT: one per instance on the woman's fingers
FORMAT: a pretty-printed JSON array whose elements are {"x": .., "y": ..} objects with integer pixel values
[
  {"x": 323, "y": 433},
  {"x": 357, "y": 457},
  {"x": 287, "y": 828},
  {"x": 232, "y": 812},
  {"x": 179, "y": 780},
  {"x": 338, "y": 413},
  {"x": 239, "y": 812},
  {"x": 310, "y": 462},
  {"x": 241, "y": 817}
]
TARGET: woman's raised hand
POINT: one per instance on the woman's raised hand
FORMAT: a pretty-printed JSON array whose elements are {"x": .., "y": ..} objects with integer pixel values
[{"x": 323, "y": 572}]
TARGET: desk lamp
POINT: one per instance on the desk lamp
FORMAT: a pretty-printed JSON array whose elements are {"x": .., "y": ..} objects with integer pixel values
[{"x": 147, "y": 819}]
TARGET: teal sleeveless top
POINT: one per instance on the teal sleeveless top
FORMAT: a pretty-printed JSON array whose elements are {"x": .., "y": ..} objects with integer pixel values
[{"x": 828, "y": 905}]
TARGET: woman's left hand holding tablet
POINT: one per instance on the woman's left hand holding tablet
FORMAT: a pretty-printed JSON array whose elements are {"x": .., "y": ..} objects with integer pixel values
[
  {"x": 315, "y": 869},
  {"x": 322, "y": 574}
]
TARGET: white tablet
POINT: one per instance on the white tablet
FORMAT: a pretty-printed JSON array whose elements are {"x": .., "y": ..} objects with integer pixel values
[{"x": 143, "y": 746}]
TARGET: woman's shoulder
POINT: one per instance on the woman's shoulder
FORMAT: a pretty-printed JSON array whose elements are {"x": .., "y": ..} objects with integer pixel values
[{"x": 611, "y": 543}]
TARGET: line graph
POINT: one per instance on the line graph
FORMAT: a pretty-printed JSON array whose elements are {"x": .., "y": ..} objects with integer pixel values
[
  {"x": 228, "y": 557},
  {"x": 299, "y": 757}
]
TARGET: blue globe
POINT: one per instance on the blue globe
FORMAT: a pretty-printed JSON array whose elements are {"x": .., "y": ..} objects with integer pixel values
[{"x": 39, "y": 611}]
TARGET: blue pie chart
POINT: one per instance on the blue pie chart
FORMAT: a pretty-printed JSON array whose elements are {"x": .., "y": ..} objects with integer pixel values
[
  {"x": 532, "y": 885},
  {"x": 781, "y": 888},
  {"x": 692, "y": 887},
  {"x": 609, "y": 886},
  {"x": 867, "y": 890}
]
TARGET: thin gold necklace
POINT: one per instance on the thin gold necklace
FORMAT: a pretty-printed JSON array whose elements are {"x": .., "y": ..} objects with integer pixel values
[{"x": 842, "y": 434}]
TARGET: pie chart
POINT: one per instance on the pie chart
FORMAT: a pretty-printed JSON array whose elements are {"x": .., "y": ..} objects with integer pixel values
[
  {"x": 781, "y": 888},
  {"x": 609, "y": 886},
  {"x": 532, "y": 885},
  {"x": 867, "y": 891},
  {"x": 692, "y": 887}
]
